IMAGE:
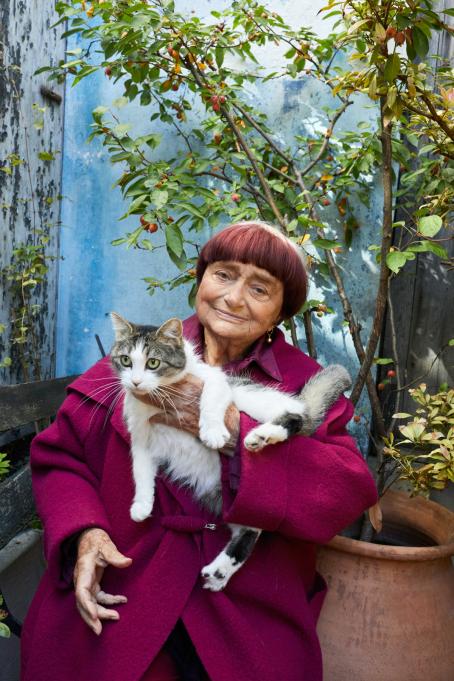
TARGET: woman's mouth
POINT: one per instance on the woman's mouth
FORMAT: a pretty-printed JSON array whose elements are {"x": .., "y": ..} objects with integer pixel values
[{"x": 229, "y": 316}]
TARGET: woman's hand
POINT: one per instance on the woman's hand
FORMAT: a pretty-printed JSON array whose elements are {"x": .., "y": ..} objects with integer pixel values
[
  {"x": 95, "y": 551},
  {"x": 181, "y": 408}
]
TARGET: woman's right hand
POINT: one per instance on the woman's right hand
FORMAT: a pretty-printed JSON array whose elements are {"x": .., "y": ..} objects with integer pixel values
[{"x": 95, "y": 551}]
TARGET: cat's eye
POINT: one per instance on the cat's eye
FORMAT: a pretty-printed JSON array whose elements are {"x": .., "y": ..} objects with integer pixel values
[
  {"x": 153, "y": 363},
  {"x": 125, "y": 361}
]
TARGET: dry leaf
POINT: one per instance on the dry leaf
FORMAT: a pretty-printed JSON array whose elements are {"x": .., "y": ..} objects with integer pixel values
[{"x": 376, "y": 517}]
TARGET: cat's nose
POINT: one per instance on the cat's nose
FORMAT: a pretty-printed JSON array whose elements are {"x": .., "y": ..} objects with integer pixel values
[{"x": 136, "y": 383}]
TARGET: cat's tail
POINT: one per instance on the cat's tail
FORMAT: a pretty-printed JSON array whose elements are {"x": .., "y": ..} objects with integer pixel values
[{"x": 320, "y": 393}]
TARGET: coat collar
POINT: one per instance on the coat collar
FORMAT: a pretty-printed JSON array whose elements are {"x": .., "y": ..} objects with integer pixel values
[
  {"x": 98, "y": 384},
  {"x": 261, "y": 353}
]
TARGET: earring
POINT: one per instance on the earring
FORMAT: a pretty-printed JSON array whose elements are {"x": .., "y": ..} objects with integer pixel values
[{"x": 269, "y": 335}]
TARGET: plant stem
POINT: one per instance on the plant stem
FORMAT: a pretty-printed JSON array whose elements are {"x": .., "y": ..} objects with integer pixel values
[{"x": 380, "y": 303}]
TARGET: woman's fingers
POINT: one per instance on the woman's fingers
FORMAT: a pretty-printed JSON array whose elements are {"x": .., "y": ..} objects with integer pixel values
[
  {"x": 100, "y": 613},
  {"x": 110, "y": 599},
  {"x": 112, "y": 555},
  {"x": 93, "y": 612},
  {"x": 95, "y": 551}
]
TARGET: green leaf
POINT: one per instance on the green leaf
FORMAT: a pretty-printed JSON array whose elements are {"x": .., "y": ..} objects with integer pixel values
[
  {"x": 380, "y": 33},
  {"x": 420, "y": 42},
  {"x": 428, "y": 246},
  {"x": 174, "y": 239},
  {"x": 122, "y": 129},
  {"x": 100, "y": 110},
  {"x": 191, "y": 209},
  {"x": 395, "y": 261},
  {"x": 219, "y": 56},
  {"x": 430, "y": 225},
  {"x": 159, "y": 198},
  {"x": 180, "y": 262},
  {"x": 383, "y": 360},
  {"x": 4, "y": 630},
  {"x": 392, "y": 67},
  {"x": 325, "y": 243},
  {"x": 46, "y": 156},
  {"x": 120, "y": 102},
  {"x": 401, "y": 415},
  {"x": 451, "y": 342}
]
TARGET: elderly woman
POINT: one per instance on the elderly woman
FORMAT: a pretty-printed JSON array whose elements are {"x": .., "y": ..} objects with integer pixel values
[{"x": 123, "y": 601}]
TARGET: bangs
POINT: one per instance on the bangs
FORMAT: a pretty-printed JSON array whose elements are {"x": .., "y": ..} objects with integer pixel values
[{"x": 261, "y": 245}]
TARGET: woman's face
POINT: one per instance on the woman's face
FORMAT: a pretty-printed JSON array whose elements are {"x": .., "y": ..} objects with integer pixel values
[{"x": 238, "y": 301}]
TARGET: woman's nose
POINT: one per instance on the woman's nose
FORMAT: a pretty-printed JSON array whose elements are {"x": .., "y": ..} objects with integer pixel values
[{"x": 235, "y": 294}]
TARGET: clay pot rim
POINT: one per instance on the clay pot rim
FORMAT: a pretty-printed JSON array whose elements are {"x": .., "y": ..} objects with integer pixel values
[
  {"x": 399, "y": 506},
  {"x": 384, "y": 552}
]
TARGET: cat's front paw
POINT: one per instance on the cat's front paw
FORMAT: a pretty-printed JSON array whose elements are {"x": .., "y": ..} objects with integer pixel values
[
  {"x": 214, "y": 437},
  {"x": 140, "y": 510},
  {"x": 217, "y": 574},
  {"x": 266, "y": 434}
]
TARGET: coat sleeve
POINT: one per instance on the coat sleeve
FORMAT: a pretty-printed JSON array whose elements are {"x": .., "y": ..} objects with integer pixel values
[
  {"x": 308, "y": 487},
  {"x": 64, "y": 486}
]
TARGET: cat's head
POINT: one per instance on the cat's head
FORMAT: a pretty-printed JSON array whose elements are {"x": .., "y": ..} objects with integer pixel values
[{"x": 146, "y": 357}]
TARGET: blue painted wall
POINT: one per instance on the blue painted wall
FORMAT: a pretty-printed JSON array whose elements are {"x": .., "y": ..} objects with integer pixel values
[{"x": 95, "y": 277}]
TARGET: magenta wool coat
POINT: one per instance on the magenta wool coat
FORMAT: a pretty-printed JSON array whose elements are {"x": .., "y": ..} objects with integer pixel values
[{"x": 262, "y": 626}]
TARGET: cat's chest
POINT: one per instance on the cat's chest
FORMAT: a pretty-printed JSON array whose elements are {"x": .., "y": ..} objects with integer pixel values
[{"x": 183, "y": 456}]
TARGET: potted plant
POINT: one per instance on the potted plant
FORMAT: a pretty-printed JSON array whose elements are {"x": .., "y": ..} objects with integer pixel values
[{"x": 396, "y": 593}]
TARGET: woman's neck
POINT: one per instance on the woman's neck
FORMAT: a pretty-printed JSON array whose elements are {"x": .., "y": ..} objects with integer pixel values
[{"x": 219, "y": 351}]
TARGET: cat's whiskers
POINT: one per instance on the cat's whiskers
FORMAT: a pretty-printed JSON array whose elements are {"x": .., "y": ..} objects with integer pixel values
[
  {"x": 113, "y": 405},
  {"x": 97, "y": 393},
  {"x": 163, "y": 396},
  {"x": 116, "y": 395},
  {"x": 172, "y": 404},
  {"x": 176, "y": 393},
  {"x": 154, "y": 394}
]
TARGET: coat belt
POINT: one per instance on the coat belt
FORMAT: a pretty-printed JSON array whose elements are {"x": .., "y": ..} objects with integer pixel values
[{"x": 186, "y": 523}]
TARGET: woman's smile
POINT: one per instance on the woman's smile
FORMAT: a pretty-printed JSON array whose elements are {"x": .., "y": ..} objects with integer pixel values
[{"x": 229, "y": 315}]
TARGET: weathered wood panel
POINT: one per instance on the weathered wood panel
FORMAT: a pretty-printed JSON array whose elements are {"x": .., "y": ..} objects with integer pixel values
[
  {"x": 20, "y": 404},
  {"x": 18, "y": 506},
  {"x": 29, "y": 191}
]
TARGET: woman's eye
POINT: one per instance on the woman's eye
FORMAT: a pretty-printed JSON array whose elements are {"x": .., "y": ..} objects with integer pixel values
[
  {"x": 153, "y": 363},
  {"x": 259, "y": 290},
  {"x": 222, "y": 275},
  {"x": 125, "y": 361}
]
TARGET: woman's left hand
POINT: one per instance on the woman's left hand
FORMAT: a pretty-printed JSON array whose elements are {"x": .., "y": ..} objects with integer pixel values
[{"x": 181, "y": 407}]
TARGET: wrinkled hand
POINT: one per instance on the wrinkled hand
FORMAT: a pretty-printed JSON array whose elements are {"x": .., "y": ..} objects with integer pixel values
[
  {"x": 182, "y": 407},
  {"x": 95, "y": 551}
]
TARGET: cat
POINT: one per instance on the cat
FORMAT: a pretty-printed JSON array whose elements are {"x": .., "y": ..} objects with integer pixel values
[{"x": 149, "y": 360}]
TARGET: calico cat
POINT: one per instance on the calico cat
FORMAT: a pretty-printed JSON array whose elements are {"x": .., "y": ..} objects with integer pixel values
[{"x": 149, "y": 360}]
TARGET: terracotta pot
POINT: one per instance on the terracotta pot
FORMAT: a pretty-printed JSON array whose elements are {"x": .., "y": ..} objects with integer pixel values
[{"x": 389, "y": 612}]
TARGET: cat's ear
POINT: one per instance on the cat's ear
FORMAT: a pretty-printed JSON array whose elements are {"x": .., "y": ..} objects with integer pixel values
[
  {"x": 171, "y": 331},
  {"x": 121, "y": 326}
]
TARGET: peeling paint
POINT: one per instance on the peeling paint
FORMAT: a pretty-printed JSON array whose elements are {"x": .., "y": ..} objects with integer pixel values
[{"x": 23, "y": 194}]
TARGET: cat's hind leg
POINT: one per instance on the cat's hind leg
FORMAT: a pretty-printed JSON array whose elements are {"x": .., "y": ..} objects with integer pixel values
[{"x": 231, "y": 558}]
